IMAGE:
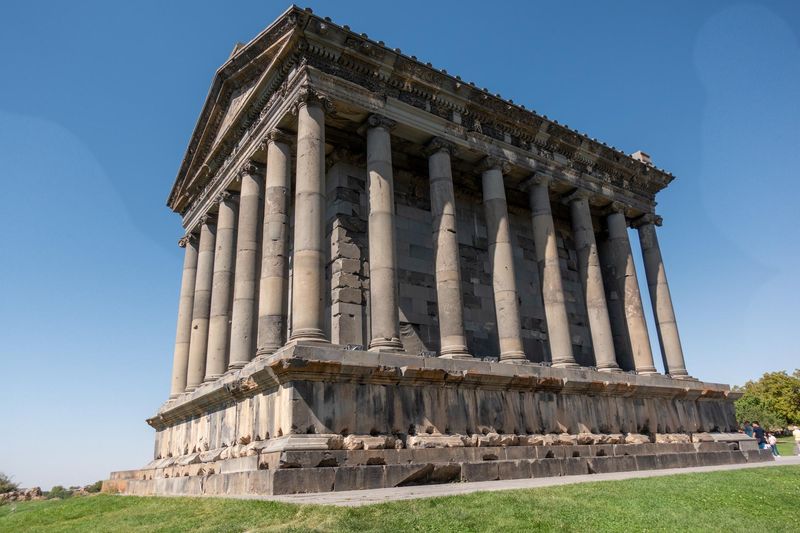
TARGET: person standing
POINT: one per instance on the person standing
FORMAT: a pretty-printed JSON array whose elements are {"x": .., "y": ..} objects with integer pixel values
[
  {"x": 772, "y": 440},
  {"x": 748, "y": 429},
  {"x": 758, "y": 433},
  {"x": 796, "y": 434}
]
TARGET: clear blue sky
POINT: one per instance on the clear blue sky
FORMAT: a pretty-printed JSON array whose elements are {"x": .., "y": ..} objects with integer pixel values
[{"x": 98, "y": 100}]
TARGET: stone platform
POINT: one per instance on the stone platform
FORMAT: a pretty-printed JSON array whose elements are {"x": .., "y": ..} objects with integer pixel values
[{"x": 315, "y": 418}]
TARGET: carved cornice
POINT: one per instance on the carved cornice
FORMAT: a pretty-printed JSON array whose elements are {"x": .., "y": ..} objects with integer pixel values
[
  {"x": 437, "y": 144},
  {"x": 337, "y": 51}
]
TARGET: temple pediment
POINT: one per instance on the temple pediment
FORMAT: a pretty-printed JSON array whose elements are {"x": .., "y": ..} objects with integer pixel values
[{"x": 242, "y": 88}]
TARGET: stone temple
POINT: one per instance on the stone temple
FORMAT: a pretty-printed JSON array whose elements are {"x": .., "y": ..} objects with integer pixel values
[{"x": 394, "y": 277}]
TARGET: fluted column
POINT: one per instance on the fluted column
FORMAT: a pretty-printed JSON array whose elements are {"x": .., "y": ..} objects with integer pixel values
[
  {"x": 247, "y": 254},
  {"x": 222, "y": 287},
  {"x": 384, "y": 318},
  {"x": 546, "y": 243},
  {"x": 592, "y": 282},
  {"x": 202, "y": 304},
  {"x": 501, "y": 256},
  {"x": 445, "y": 251},
  {"x": 308, "y": 280},
  {"x": 628, "y": 288},
  {"x": 274, "y": 258},
  {"x": 666, "y": 326},
  {"x": 180, "y": 358}
]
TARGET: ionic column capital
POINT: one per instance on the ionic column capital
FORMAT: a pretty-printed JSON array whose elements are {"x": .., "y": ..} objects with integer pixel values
[
  {"x": 494, "y": 163},
  {"x": 226, "y": 196},
  {"x": 276, "y": 136},
  {"x": 614, "y": 207},
  {"x": 438, "y": 144},
  {"x": 308, "y": 96},
  {"x": 380, "y": 121},
  {"x": 539, "y": 178},
  {"x": 647, "y": 218},
  {"x": 208, "y": 218},
  {"x": 250, "y": 168},
  {"x": 189, "y": 238},
  {"x": 576, "y": 196}
]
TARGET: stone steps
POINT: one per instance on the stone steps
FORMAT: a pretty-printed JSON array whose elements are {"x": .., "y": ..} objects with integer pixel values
[{"x": 249, "y": 476}]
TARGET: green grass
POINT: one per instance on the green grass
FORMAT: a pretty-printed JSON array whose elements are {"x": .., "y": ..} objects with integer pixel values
[
  {"x": 739, "y": 500},
  {"x": 786, "y": 445}
]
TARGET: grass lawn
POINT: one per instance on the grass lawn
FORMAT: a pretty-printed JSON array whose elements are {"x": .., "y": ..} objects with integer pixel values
[
  {"x": 734, "y": 501},
  {"x": 786, "y": 445}
]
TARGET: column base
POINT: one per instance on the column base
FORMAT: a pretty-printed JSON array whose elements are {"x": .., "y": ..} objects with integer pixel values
[
  {"x": 308, "y": 335},
  {"x": 513, "y": 357},
  {"x": 455, "y": 352},
  {"x": 646, "y": 371},
  {"x": 191, "y": 388},
  {"x": 685, "y": 377},
  {"x": 382, "y": 344},
  {"x": 564, "y": 364},
  {"x": 209, "y": 379},
  {"x": 268, "y": 350},
  {"x": 609, "y": 369}
]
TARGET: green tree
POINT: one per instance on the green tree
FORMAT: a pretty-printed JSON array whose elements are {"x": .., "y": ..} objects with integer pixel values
[
  {"x": 750, "y": 407},
  {"x": 59, "y": 492},
  {"x": 779, "y": 392},
  {"x": 6, "y": 485}
]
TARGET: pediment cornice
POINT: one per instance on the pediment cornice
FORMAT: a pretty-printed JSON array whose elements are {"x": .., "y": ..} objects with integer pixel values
[{"x": 300, "y": 38}]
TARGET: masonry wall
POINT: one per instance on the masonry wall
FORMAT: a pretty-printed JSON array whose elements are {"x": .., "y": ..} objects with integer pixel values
[{"x": 348, "y": 268}]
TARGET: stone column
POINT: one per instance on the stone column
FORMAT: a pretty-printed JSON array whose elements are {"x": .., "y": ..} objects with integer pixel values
[
  {"x": 628, "y": 288},
  {"x": 666, "y": 326},
  {"x": 592, "y": 282},
  {"x": 180, "y": 359},
  {"x": 202, "y": 304},
  {"x": 501, "y": 255},
  {"x": 546, "y": 243},
  {"x": 222, "y": 287},
  {"x": 274, "y": 258},
  {"x": 445, "y": 251},
  {"x": 308, "y": 270},
  {"x": 244, "y": 288},
  {"x": 384, "y": 317}
]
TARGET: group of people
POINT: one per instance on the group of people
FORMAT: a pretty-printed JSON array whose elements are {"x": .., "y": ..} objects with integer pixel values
[{"x": 767, "y": 440}]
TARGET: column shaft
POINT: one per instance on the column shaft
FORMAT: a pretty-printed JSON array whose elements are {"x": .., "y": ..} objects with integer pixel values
[
  {"x": 246, "y": 278},
  {"x": 445, "y": 251},
  {"x": 384, "y": 318},
  {"x": 501, "y": 257},
  {"x": 201, "y": 306},
  {"x": 180, "y": 359},
  {"x": 274, "y": 259},
  {"x": 222, "y": 288},
  {"x": 628, "y": 288},
  {"x": 667, "y": 327},
  {"x": 592, "y": 283},
  {"x": 308, "y": 281},
  {"x": 546, "y": 243}
]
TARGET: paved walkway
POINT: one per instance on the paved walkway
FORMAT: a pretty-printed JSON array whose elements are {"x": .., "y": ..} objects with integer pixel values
[{"x": 367, "y": 497}]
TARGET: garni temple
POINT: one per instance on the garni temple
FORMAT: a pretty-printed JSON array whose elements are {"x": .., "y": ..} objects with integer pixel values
[{"x": 393, "y": 277}]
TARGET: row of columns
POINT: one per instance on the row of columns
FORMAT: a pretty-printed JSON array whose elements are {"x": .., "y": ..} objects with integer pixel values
[{"x": 218, "y": 328}]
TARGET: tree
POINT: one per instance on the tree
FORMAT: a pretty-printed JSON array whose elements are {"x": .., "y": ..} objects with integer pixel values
[
  {"x": 59, "y": 492},
  {"x": 6, "y": 485},
  {"x": 779, "y": 392},
  {"x": 750, "y": 407}
]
